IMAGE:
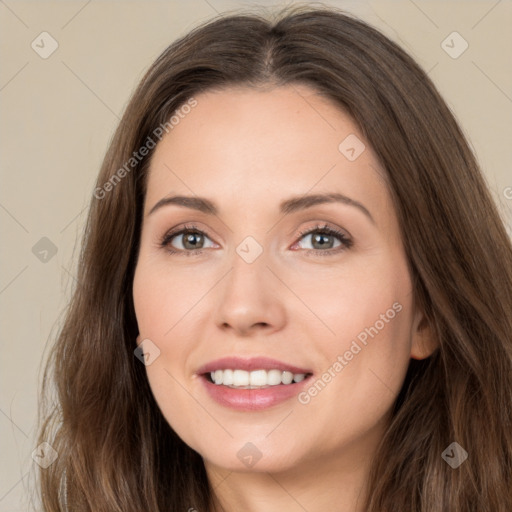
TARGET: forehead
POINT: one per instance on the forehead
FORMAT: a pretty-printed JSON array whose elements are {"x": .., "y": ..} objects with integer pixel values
[{"x": 253, "y": 147}]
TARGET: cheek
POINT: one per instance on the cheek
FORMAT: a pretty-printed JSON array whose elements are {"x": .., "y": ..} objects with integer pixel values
[
  {"x": 161, "y": 297},
  {"x": 376, "y": 315},
  {"x": 365, "y": 362},
  {"x": 367, "y": 353},
  {"x": 183, "y": 412},
  {"x": 368, "y": 299},
  {"x": 163, "y": 307}
]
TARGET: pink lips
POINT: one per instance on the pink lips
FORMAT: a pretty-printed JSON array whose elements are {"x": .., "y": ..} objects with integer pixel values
[{"x": 251, "y": 399}]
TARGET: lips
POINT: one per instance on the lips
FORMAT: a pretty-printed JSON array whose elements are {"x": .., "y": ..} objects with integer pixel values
[{"x": 253, "y": 399}]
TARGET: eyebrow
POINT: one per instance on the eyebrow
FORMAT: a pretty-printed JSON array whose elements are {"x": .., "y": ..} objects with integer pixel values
[{"x": 286, "y": 207}]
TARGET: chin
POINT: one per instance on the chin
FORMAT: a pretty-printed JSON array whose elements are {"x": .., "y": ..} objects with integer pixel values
[{"x": 251, "y": 456}]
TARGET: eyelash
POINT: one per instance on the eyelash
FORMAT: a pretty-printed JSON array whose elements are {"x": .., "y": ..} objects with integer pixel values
[{"x": 346, "y": 243}]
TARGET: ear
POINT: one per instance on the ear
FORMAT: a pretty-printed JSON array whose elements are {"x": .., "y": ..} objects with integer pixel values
[
  {"x": 423, "y": 341},
  {"x": 137, "y": 339}
]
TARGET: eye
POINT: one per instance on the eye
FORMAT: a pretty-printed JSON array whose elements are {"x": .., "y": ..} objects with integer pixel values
[
  {"x": 192, "y": 241},
  {"x": 322, "y": 239}
]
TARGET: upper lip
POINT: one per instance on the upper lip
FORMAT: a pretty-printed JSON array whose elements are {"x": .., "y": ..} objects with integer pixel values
[{"x": 250, "y": 364}]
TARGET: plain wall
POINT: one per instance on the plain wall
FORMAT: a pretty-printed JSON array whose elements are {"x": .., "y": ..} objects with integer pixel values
[{"x": 58, "y": 115}]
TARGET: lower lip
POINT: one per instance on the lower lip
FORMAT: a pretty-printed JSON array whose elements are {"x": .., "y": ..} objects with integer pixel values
[{"x": 252, "y": 399}]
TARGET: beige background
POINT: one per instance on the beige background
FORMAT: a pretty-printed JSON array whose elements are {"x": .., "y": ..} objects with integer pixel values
[{"x": 58, "y": 114}]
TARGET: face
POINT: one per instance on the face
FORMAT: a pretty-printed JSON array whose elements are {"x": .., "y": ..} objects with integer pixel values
[{"x": 311, "y": 291}]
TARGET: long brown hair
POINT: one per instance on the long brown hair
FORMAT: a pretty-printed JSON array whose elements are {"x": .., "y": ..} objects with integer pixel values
[{"x": 117, "y": 452}]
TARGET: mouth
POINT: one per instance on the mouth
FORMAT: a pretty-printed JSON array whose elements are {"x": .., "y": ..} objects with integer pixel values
[{"x": 252, "y": 384}]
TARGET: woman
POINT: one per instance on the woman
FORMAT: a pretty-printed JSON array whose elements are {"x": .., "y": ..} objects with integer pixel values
[{"x": 211, "y": 361}]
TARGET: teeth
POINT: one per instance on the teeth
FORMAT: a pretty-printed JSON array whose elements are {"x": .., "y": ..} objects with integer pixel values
[
  {"x": 287, "y": 377},
  {"x": 227, "y": 377},
  {"x": 255, "y": 379},
  {"x": 240, "y": 378},
  {"x": 274, "y": 377}
]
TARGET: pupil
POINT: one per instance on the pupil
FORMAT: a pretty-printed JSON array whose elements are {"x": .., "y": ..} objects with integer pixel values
[
  {"x": 190, "y": 239},
  {"x": 319, "y": 237}
]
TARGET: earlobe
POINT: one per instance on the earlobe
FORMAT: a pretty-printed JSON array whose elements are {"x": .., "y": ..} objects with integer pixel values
[{"x": 423, "y": 342}]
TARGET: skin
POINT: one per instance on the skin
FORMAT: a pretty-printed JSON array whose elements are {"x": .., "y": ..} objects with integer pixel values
[{"x": 247, "y": 150}]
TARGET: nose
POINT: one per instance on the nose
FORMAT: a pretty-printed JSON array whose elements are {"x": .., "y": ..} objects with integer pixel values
[{"x": 250, "y": 299}]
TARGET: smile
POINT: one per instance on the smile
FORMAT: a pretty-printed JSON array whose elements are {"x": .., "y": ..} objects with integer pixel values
[
  {"x": 256, "y": 379},
  {"x": 253, "y": 384}
]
